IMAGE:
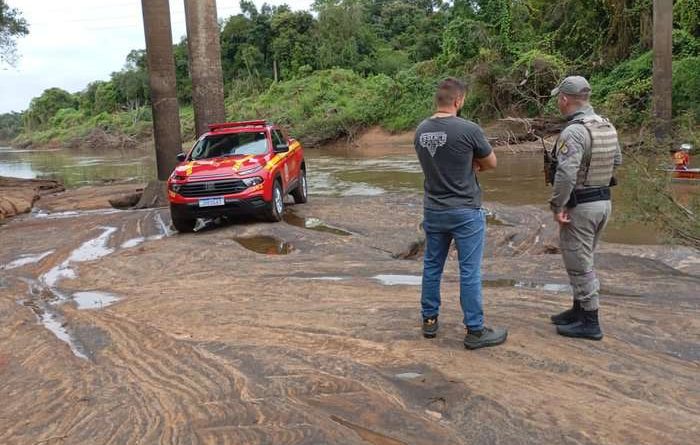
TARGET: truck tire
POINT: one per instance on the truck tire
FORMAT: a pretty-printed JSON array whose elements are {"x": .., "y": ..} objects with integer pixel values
[
  {"x": 275, "y": 208},
  {"x": 183, "y": 224},
  {"x": 301, "y": 192}
]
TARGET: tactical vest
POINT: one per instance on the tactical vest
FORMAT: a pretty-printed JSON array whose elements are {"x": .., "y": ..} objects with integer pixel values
[{"x": 598, "y": 160}]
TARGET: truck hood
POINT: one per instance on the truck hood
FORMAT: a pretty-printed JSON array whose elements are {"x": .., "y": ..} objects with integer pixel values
[{"x": 227, "y": 167}]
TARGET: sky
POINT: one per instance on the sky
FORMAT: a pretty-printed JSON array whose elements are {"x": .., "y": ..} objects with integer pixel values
[{"x": 74, "y": 42}]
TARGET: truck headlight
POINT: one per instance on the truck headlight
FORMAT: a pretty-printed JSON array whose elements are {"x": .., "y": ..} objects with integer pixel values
[{"x": 250, "y": 182}]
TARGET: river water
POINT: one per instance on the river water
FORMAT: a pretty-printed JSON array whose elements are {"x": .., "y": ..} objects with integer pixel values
[{"x": 337, "y": 172}]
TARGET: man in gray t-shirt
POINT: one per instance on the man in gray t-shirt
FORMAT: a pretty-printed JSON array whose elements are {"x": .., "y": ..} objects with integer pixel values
[
  {"x": 451, "y": 150},
  {"x": 447, "y": 148}
]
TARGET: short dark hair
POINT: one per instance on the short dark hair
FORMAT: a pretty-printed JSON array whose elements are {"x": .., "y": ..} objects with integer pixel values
[{"x": 449, "y": 90}]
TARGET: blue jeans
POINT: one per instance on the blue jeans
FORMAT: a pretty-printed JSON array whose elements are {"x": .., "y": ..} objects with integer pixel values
[{"x": 467, "y": 228}]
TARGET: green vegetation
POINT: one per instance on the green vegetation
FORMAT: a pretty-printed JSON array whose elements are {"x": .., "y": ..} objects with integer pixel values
[
  {"x": 12, "y": 26},
  {"x": 356, "y": 63}
]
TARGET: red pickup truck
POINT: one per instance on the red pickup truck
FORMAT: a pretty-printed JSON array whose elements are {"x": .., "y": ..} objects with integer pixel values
[{"x": 236, "y": 168}]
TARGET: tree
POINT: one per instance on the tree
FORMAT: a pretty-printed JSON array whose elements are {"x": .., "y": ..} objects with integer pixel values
[
  {"x": 12, "y": 25},
  {"x": 10, "y": 125},
  {"x": 293, "y": 43},
  {"x": 131, "y": 83},
  {"x": 346, "y": 40},
  {"x": 43, "y": 108}
]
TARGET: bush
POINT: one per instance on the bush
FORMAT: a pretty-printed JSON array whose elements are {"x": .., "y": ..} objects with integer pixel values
[
  {"x": 326, "y": 105},
  {"x": 67, "y": 117},
  {"x": 532, "y": 78},
  {"x": 686, "y": 86},
  {"x": 408, "y": 99},
  {"x": 624, "y": 93}
]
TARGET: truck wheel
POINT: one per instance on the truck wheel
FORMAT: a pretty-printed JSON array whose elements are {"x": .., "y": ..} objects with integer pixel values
[
  {"x": 301, "y": 193},
  {"x": 182, "y": 224},
  {"x": 275, "y": 209}
]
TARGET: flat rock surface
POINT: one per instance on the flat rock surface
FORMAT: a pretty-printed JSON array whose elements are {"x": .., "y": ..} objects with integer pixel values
[
  {"x": 213, "y": 343},
  {"x": 18, "y": 195}
]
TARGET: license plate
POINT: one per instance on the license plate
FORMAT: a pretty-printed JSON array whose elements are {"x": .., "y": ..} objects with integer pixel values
[{"x": 211, "y": 202}]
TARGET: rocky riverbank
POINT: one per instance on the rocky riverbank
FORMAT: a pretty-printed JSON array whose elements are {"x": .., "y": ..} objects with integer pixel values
[
  {"x": 17, "y": 196},
  {"x": 307, "y": 332}
]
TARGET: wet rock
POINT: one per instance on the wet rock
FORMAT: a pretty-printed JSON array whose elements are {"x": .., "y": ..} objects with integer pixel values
[
  {"x": 126, "y": 201},
  {"x": 434, "y": 414},
  {"x": 19, "y": 195},
  {"x": 154, "y": 195}
]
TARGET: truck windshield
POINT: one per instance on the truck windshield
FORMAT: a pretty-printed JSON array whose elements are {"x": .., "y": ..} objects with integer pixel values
[{"x": 250, "y": 143}]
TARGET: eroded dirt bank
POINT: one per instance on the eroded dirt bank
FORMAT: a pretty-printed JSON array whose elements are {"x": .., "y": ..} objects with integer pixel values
[{"x": 194, "y": 339}]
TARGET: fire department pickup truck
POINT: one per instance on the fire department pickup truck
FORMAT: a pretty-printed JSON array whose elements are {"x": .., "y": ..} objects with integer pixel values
[{"x": 236, "y": 168}]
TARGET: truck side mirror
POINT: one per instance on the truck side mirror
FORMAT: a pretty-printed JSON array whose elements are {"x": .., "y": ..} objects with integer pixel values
[
  {"x": 281, "y": 148},
  {"x": 181, "y": 157}
]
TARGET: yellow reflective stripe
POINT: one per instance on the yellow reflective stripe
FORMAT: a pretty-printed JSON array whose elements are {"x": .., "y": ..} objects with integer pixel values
[
  {"x": 280, "y": 157},
  {"x": 238, "y": 164},
  {"x": 188, "y": 172}
]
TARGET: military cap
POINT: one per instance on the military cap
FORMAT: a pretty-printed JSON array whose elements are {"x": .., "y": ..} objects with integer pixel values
[{"x": 573, "y": 85}]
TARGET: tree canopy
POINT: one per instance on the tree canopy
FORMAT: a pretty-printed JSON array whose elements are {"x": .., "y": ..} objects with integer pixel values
[
  {"x": 12, "y": 26},
  {"x": 510, "y": 52}
]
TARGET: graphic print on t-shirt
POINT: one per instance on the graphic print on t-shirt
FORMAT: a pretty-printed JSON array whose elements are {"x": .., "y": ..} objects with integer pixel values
[{"x": 433, "y": 141}]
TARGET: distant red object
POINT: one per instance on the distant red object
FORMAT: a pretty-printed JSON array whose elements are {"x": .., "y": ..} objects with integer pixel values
[
  {"x": 681, "y": 160},
  {"x": 688, "y": 175}
]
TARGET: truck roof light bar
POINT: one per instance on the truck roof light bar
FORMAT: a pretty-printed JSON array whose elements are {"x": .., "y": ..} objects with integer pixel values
[{"x": 222, "y": 125}]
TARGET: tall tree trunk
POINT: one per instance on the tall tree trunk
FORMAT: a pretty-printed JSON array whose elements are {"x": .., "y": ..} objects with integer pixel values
[
  {"x": 662, "y": 83},
  {"x": 161, "y": 79},
  {"x": 205, "y": 63}
]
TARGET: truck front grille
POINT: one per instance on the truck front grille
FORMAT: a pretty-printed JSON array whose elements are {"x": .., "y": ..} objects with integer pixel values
[{"x": 212, "y": 188}]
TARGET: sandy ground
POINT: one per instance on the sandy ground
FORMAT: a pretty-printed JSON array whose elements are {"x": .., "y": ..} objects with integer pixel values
[{"x": 212, "y": 343}]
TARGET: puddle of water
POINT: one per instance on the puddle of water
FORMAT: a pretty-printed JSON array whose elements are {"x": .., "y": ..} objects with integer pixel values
[
  {"x": 162, "y": 227},
  {"x": 94, "y": 299},
  {"x": 88, "y": 251},
  {"x": 95, "y": 248},
  {"x": 395, "y": 280},
  {"x": 42, "y": 214},
  {"x": 547, "y": 287},
  {"x": 316, "y": 224},
  {"x": 133, "y": 242},
  {"x": 368, "y": 435},
  {"x": 327, "y": 278},
  {"x": 268, "y": 245},
  {"x": 51, "y": 323},
  {"x": 23, "y": 260},
  {"x": 408, "y": 375}
]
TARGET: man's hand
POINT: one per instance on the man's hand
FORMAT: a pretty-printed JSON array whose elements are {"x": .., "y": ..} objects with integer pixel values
[
  {"x": 562, "y": 218},
  {"x": 476, "y": 166},
  {"x": 487, "y": 163}
]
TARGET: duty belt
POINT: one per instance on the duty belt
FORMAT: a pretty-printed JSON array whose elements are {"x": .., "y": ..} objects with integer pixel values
[{"x": 583, "y": 196}]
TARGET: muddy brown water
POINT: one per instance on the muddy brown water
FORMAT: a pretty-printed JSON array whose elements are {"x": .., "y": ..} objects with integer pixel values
[
  {"x": 268, "y": 245},
  {"x": 332, "y": 172}
]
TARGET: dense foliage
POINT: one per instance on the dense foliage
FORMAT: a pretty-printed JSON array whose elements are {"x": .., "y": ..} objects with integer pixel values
[
  {"x": 348, "y": 64},
  {"x": 12, "y": 25}
]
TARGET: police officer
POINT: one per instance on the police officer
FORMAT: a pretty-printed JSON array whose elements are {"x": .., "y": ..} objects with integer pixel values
[{"x": 587, "y": 153}]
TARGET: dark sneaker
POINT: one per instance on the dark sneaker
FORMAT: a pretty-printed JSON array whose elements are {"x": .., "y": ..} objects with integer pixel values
[
  {"x": 568, "y": 316},
  {"x": 430, "y": 327},
  {"x": 485, "y": 337},
  {"x": 586, "y": 327}
]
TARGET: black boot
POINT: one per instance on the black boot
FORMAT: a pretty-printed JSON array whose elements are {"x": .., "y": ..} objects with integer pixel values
[
  {"x": 569, "y": 315},
  {"x": 587, "y": 327},
  {"x": 430, "y": 327}
]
